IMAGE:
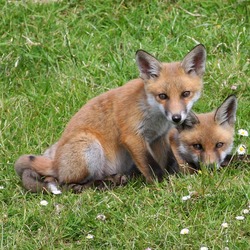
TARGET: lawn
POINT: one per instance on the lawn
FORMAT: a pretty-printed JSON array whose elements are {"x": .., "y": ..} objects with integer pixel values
[{"x": 56, "y": 55}]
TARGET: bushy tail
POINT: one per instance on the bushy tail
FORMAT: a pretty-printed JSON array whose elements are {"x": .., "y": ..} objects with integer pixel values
[{"x": 36, "y": 172}]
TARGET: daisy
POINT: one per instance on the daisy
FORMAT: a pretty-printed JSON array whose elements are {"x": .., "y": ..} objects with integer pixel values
[
  {"x": 204, "y": 248},
  {"x": 90, "y": 236},
  {"x": 184, "y": 231},
  {"x": 245, "y": 211},
  {"x": 185, "y": 198},
  {"x": 224, "y": 225},
  {"x": 101, "y": 217},
  {"x": 239, "y": 217},
  {"x": 241, "y": 150},
  {"x": 242, "y": 132},
  {"x": 44, "y": 203}
]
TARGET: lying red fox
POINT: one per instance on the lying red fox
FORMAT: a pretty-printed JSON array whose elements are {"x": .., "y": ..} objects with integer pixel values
[{"x": 204, "y": 138}]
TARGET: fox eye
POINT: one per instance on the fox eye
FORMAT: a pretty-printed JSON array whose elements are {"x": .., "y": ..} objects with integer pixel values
[
  {"x": 163, "y": 96},
  {"x": 185, "y": 94},
  {"x": 153, "y": 75},
  {"x": 219, "y": 144},
  {"x": 197, "y": 146}
]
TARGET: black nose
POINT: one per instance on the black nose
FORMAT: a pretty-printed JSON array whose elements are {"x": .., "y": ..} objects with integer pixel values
[{"x": 176, "y": 118}]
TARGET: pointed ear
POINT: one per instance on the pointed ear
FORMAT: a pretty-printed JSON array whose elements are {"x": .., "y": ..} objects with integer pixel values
[
  {"x": 227, "y": 111},
  {"x": 195, "y": 61},
  {"x": 148, "y": 65},
  {"x": 189, "y": 122}
]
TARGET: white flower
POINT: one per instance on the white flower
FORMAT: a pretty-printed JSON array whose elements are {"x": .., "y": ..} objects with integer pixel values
[
  {"x": 240, "y": 217},
  {"x": 233, "y": 87},
  {"x": 224, "y": 225},
  {"x": 226, "y": 248},
  {"x": 242, "y": 132},
  {"x": 53, "y": 188},
  {"x": 241, "y": 150},
  {"x": 148, "y": 248},
  {"x": 44, "y": 203},
  {"x": 90, "y": 236},
  {"x": 245, "y": 211},
  {"x": 101, "y": 217},
  {"x": 57, "y": 192},
  {"x": 185, "y": 198},
  {"x": 204, "y": 248},
  {"x": 1, "y": 187},
  {"x": 184, "y": 231}
]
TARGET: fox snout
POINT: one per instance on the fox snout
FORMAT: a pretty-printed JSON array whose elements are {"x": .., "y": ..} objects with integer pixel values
[
  {"x": 176, "y": 118},
  {"x": 176, "y": 111},
  {"x": 210, "y": 160},
  {"x": 199, "y": 162},
  {"x": 209, "y": 165}
]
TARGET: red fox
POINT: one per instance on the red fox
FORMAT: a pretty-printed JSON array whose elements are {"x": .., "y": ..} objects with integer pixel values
[
  {"x": 204, "y": 138},
  {"x": 121, "y": 127}
]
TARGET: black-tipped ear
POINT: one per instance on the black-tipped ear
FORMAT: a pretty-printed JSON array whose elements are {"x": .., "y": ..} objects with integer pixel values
[
  {"x": 189, "y": 122},
  {"x": 227, "y": 111},
  {"x": 148, "y": 65},
  {"x": 195, "y": 61}
]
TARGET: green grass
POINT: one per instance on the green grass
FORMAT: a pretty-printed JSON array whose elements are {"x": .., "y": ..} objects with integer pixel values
[{"x": 57, "y": 55}]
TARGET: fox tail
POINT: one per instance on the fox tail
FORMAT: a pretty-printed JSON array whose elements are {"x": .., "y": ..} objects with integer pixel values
[{"x": 37, "y": 173}]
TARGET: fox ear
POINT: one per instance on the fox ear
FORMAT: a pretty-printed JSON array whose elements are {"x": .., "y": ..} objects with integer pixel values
[
  {"x": 189, "y": 122},
  {"x": 227, "y": 111},
  {"x": 195, "y": 61},
  {"x": 148, "y": 65}
]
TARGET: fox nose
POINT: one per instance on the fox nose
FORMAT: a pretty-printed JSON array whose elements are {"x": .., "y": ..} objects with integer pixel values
[{"x": 176, "y": 118}]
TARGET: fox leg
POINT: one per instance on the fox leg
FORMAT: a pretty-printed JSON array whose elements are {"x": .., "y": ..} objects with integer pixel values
[
  {"x": 106, "y": 183},
  {"x": 142, "y": 157},
  {"x": 111, "y": 181},
  {"x": 164, "y": 155},
  {"x": 117, "y": 179}
]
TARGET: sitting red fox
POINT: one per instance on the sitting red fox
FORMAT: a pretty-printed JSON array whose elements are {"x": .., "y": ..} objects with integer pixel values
[
  {"x": 121, "y": 127},
  {"x": 204, "y": 138}
]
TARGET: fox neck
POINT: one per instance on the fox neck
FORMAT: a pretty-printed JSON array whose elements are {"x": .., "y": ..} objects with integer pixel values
[{"x": 154, "y": 121}]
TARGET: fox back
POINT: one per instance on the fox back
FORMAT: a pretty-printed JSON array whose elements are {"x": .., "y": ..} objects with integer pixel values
[{"x": 205, "y": 138}]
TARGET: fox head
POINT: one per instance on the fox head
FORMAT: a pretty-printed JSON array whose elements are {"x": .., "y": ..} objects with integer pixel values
[
  {"x": 208, "y": 138},
  {"x": 172, "y": 88}
]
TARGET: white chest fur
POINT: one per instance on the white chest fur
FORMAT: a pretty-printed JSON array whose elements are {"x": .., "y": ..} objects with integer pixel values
[{"x": 154, "y": 123}]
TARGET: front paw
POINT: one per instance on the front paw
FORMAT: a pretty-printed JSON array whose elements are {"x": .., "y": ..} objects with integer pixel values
[{"x": 158, "y": 174}]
